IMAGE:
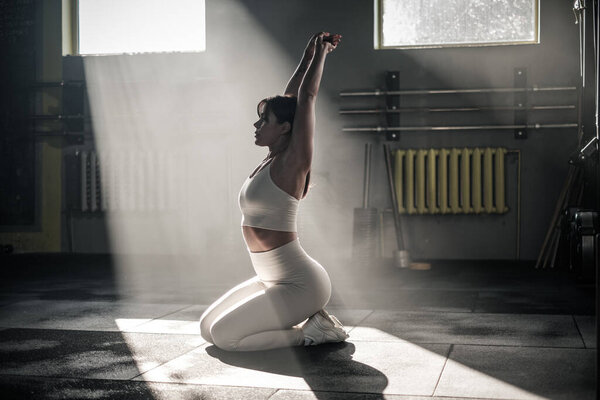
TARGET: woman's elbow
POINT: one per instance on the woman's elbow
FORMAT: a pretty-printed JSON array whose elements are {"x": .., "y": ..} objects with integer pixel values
[{"x": 307, "y": 96}]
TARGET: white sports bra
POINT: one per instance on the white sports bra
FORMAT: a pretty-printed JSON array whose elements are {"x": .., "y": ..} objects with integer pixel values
[{"x": 266, "y": 205}]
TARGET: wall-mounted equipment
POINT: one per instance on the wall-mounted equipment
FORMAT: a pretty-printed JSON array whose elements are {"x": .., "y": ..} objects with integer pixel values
[{"x": 516, "y": 109}]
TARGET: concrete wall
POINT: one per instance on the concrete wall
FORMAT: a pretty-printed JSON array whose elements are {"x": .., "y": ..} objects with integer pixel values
[
  {"x": 44, "y": 234},
  {"x": 252, "y": 48}
]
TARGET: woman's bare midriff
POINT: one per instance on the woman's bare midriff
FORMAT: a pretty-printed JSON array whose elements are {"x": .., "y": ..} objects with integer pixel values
[{"x": 259, "y": 239}]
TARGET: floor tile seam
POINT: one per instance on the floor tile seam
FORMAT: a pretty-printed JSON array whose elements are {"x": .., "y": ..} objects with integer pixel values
[
  {"x": 406, "y": 311},
  {"x": 276, "y": 389},
  {"x": 411, "y": 311},
  {"x": 579, "y": 331},
  {"x": 162, "y": 316},
  {"x": 468, "y": 344},
  {"x": 64, "y": 301},
  {"x": 62, "y": 377},
  {"x": 419, "y": 396},
  {"x": 95, "y": 304},
  {"x": 474, "y": 313},
  {"x": 83, "y": 378},
  {"x": 10, "y": 303},
  {"x": 168, "y": 361},
  {"x": 470, "y": 398},
  {"x": 100, "y": 331},
  {"x": 345, "y": 391},
  {"x": 437, "y": 383},
  {"x": 362, "y": 320},
  {"x": 202, "y": 384},
  {"x": 194, "y": 384},
  {"x": 523, "y": 291}
]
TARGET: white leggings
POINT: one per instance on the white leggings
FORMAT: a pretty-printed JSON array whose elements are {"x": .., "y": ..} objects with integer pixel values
[{"x": 261, "y": 313}]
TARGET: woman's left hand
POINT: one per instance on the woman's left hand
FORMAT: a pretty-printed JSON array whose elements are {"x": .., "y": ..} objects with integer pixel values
[
  {"x": 328, "y": 42},
  {"x": 309, "y": 51}
]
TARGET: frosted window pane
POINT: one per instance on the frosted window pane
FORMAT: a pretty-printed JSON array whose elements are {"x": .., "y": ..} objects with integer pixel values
[
  {"x": 139, "y": 26},
  {"x": 457, "y": 22}
]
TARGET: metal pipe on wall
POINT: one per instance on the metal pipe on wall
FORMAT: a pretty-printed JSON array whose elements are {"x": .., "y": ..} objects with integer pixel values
[
  {"x": 453, "y": 109},
  {"x": 456, "y": 128},
  {"x": 378, "y": 92}
]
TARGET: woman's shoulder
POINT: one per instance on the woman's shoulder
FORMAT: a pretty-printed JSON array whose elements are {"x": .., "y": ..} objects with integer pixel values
[
  {"x": 290, "y": 162},
  {"x": 296, "y": 160},
  {"x": 288, "y": 176}
]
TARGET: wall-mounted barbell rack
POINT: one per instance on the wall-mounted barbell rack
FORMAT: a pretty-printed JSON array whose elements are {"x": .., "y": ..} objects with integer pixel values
[
  {"x": 456, "y": 128},
  {"x": 378, "y": 92},
  {"x": 520, "y": 107},
  {"x": 71, "y": 117}
]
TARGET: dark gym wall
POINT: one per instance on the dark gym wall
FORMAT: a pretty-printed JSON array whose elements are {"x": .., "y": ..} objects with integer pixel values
[
  {"x": 338, "y": 161},
  {"x": 30, "y": 154},
  {"x": 356, "y": 65}
]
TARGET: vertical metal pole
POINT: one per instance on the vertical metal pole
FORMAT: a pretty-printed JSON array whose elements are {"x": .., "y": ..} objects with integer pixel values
[
  {"x": 364, "y": 248},
  {"x": 583, "y": 43},
  {"x": 401, "y": 256},
  {"x": 388, "y": 164},
  {"x": 596, "y": 13},
  {"x": 367, "y": 175},
  {"x": 596, "y": 29}
]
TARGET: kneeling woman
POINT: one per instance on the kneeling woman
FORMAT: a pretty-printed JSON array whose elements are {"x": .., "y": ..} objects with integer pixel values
[{"x": 265, "y": 312}]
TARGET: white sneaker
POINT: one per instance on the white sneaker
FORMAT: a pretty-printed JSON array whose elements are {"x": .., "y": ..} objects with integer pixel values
[{"x": 323, "y": 328}]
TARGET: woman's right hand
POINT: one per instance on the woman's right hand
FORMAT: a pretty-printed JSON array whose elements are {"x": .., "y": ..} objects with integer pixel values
[{"x": 317, "y": 40}]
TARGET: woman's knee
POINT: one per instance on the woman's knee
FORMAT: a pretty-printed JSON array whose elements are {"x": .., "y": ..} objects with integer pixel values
[
  {"x": 205, "y": 329},
  {"x": 224, "y": 336}
]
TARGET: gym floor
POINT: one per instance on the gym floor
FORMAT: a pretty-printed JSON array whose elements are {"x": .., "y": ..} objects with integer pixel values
[{"x": 72, "y": 328}]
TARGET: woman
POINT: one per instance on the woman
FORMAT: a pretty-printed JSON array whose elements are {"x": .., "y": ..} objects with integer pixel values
[{"x": 265, "y": 312}]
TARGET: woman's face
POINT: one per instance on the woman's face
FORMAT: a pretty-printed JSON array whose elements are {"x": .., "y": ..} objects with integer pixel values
[{"x": 268, "y": 130}]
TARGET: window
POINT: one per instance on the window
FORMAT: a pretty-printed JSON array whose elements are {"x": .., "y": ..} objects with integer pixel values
[
  {"x": 140, "y": 26},
  {"x": 442, "y": 23}
]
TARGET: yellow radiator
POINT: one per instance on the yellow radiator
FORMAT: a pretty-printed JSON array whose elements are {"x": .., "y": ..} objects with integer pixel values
[{"x": 450, "y": 181}]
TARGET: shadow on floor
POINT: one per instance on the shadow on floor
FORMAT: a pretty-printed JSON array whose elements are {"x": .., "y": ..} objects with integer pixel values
[{"x": 315, "y": 365}]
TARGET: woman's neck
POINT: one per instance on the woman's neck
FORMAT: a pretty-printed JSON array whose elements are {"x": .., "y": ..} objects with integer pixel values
[{"x": 277, "y": 148}]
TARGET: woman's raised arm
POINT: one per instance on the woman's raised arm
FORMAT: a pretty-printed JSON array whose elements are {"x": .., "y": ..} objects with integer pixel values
[
  {"x": 301, "y": 145},
  {"x": 298, "y": 76}
]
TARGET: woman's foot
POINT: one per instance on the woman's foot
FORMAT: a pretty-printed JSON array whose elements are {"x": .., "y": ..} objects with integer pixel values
[{"x": 323, "y": 328}]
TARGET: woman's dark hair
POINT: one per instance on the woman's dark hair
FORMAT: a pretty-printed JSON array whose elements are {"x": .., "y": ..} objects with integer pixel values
[{"x": 284, "y": 108}]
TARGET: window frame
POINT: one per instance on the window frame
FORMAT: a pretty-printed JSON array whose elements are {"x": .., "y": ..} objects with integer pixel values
[
  {"x": 70, "y": 27},
  {"x": 70, "y": 33},
  {"x": 378, "y": 34}
]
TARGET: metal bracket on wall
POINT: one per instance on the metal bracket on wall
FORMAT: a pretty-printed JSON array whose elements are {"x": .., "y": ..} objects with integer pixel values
[
  {"x": 520, "y": 102},
  {"x": 69, "y": 137},
  {"x": 71, "y": 115},
  {"x": 392, "y": 83}
]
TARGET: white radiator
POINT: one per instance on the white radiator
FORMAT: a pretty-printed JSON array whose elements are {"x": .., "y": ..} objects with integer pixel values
[{"x": 132, "y": 181}]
